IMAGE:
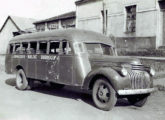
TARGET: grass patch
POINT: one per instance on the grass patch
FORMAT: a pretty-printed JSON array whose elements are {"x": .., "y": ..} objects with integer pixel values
[
  {"x": 145, "y": 52},
  {"x": 160, "y": 87}
]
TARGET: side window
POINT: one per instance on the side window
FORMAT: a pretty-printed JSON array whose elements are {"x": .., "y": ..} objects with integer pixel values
[
  {"x": 24, "y": 48},
  {"x": 42, "y": 48},
  {"x": 17, "y": 48},
  {"x": 107, "y": 50},
  {"x": 66, "y": 49},
  {"x": 32, "y": 47},
  {"x": 54, "y": 47}
]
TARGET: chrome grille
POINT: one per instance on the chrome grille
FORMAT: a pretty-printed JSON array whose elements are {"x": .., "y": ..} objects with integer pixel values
[
  {"x": 138, "y": 67},
  {"x": 138, "y": 80}
]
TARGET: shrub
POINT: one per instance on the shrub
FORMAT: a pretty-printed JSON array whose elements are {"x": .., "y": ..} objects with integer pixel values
[{"x": 146, "y": 52}]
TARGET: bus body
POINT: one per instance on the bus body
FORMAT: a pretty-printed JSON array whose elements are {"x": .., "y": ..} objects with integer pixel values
[{"x": 79, "y": 58}]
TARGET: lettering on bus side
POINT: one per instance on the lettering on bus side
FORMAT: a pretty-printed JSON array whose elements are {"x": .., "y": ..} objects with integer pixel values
[
  {"x": 18, "y": 56},
  {"x": 32, "y": 56},
  {"x": 43, "y": 57},
  {"x": 47, "y": 57}
]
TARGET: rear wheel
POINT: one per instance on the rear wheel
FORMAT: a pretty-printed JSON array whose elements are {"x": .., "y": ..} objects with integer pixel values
[
  {"x": 104, "y": 96},
  {"x": 22, "y": 82},
  {"x": 138, "y": 100}
]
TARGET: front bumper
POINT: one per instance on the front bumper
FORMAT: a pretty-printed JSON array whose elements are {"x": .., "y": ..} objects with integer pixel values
[{"x": 136, "y": 91}]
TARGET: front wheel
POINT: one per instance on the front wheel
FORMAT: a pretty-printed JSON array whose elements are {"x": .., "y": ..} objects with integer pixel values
[
  {"x": 104, "y": 96},
  {"x": 138, "y": 100},
  {"x": 21, "y": 80}
]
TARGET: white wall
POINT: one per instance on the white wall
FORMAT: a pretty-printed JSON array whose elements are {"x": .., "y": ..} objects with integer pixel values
[
  {"x": 6, "y": 35},
  {"x": 146, "y": 19},
  {"x": 89, "y": 16}
]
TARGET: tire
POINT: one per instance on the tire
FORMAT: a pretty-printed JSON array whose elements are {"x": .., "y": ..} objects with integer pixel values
[
  {"x": 138, "y": 100},
  {"x": 103, "y": 94},
  {"x": 56, "y": 85},
  {"x": 21, "y": 80}
]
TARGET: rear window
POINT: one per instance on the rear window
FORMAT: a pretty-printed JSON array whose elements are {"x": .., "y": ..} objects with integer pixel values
[{"x": 11, "y": 47}]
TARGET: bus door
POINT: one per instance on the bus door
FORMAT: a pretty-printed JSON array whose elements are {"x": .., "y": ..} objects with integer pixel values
[
  {"x": 41, "y": 61},
  {"x": 66, "y": 64},
  {"x": 53, "y": 61},
  {"x": 31, "y": 60}
]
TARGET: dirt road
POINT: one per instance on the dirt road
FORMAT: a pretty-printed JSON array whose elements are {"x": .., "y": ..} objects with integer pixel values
[{"x": 45, "y": 103}]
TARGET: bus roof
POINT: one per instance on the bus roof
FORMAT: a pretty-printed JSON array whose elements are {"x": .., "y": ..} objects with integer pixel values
[{"x": 75, "y": 35}]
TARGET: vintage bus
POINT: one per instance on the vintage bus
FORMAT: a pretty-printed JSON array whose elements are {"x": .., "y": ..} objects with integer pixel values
[{"x": 79, "y": 58}]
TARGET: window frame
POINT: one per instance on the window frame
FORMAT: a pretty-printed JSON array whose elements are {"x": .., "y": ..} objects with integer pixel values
[
  {"x": 29, "y": 49},
  {"x": 15, "y": 47},
  {"x": 125, "y": 18},
  {"x": 49, "y": 48},
  {"x": 112, "y": 48},
  {"x": 25, "y": 51},
  {"x": 39, "y": 50},
  {"x": 68, "y": 50}
]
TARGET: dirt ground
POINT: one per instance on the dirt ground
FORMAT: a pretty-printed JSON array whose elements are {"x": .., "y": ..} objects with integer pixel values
[{"x": 46, "y": 103}]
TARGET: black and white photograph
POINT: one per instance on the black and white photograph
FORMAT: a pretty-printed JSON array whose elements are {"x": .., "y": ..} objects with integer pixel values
[{"x": 82, "y": 60}]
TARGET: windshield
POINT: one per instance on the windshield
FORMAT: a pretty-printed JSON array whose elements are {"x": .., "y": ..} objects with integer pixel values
[{"x": 99, "y": 48}]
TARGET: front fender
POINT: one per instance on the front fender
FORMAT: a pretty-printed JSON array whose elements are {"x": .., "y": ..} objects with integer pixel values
[{"x": 116, "y": 80}]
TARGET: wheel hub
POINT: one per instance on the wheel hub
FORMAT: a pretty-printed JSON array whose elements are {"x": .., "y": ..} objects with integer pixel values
[{"x": 103, "y": 93}]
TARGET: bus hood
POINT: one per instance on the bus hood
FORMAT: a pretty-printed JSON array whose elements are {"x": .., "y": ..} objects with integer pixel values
[{"x": 114, "y": 59}]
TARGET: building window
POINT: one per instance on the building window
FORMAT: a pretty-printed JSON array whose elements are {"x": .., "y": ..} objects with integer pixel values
[
  {"x": 53, "y": 25},
  {"x": 40, "y": 27},
  {"x": 68, "y": 23},
  {"x": 130, "y": 19}
]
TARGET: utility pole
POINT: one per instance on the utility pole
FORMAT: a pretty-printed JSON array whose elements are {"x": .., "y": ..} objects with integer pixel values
[{"x": 104, "y": 15}]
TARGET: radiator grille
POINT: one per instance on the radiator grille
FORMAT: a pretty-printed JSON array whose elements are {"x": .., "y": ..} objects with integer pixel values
[
  {"x": 138, "y": 67},
  {"x": 139, "y": 80}
]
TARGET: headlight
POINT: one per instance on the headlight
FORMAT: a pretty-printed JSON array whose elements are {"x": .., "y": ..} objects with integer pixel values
[
  {"x": 152, "y": 71},
  {"x": 124, "y": 72}
]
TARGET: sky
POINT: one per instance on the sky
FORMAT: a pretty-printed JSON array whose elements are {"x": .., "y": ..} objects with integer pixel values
[{"x": 37, "y": 9}]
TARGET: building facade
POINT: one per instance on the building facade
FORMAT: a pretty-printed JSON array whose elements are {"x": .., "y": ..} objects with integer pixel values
[
  {"x": 63, "y": 21},
  {"x": 135, "y": 24},
  {"x": 14, "y": 26}
]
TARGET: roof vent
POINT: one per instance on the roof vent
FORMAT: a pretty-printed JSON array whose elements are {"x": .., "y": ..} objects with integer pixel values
[{"x": 20, "y": 33}]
